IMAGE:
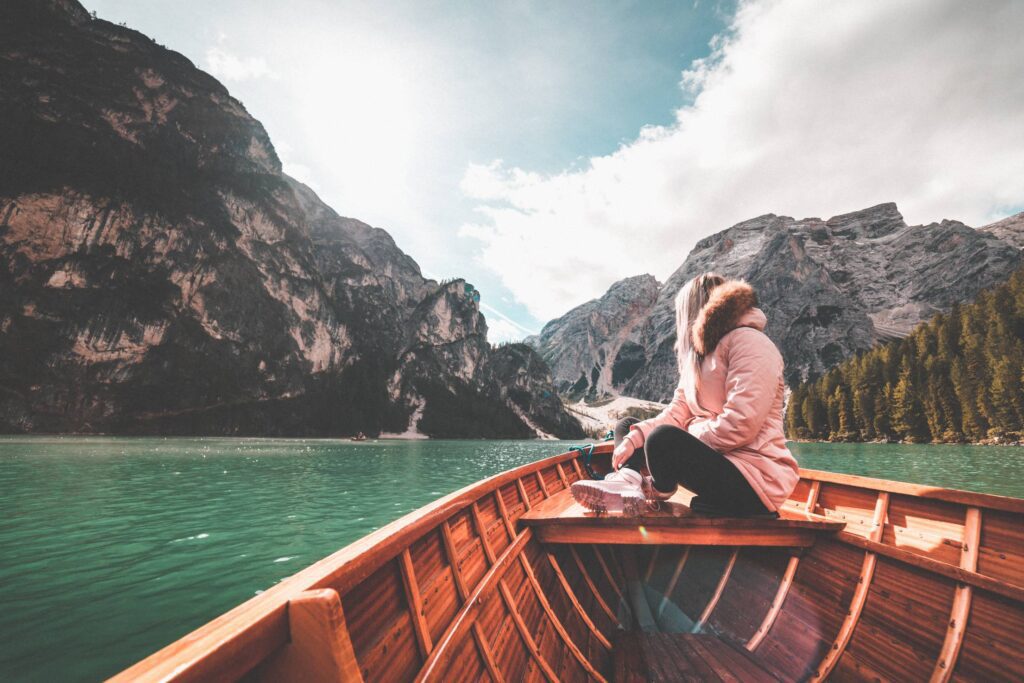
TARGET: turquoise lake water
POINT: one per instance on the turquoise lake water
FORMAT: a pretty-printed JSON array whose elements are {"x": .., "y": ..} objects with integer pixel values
[{"x": 111, "y": 548}]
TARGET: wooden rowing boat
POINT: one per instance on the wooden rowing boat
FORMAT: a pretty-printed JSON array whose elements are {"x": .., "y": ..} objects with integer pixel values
[{"x": 508, "y": 579}]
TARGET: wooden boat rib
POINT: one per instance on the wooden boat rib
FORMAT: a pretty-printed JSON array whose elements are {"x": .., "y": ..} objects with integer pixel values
[{"x": 508, "y": 579}]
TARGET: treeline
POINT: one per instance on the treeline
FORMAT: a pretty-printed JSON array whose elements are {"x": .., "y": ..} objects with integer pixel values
[{"x": 954, "y": 379}]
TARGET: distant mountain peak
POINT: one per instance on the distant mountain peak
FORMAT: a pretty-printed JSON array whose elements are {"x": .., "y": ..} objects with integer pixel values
[{"x": 830, "y": 288}]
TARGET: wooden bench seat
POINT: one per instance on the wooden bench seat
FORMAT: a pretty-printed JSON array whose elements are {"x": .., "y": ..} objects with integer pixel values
[
  {"x": 560, "y": 519},
  {"x": 640, "y": 657}
]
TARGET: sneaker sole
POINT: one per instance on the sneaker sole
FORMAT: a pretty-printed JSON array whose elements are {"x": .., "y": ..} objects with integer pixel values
[{"x": 599, "y": 500}]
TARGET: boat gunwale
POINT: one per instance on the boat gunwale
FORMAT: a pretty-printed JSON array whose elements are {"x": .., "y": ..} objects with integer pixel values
[{"x": 969, "y": 498}]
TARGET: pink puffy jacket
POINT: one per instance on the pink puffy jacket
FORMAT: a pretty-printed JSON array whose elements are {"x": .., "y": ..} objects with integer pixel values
[{"x": 740, "y": 395}]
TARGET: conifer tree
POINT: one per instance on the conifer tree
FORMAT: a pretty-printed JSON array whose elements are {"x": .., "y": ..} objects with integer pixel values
[
  {"x": 796, "y": 426},
  {"x": 959, "y": 376},
  {"x": 907, "y": 411}
]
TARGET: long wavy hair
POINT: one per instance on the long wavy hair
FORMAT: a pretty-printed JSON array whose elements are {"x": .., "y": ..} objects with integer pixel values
[{"x": 690, "y": 299}]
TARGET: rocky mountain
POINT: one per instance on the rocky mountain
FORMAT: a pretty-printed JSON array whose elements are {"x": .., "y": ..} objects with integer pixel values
[
  {"x": 1009, "y": 229},
  {"x": 830, "y": 288},
  {"x": 596, "y": 347},
  {"x": 160, "y": 274}
]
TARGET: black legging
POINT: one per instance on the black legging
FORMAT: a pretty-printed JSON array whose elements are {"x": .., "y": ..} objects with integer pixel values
[{"x": 674, "y": 456}]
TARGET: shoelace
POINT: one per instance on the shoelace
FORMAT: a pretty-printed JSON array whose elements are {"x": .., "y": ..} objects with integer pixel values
[{"x": 588, "y": 453}]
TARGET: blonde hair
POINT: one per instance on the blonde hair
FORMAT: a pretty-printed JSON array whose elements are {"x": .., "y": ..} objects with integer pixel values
[{"x": 690, "y": 299}]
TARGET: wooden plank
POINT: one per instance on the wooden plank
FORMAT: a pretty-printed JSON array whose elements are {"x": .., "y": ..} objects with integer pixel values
[
  {"x": 669, "y": 649},
  {"x": 628, "y": 665},
  {"x": 531, "y": 644},
  {"x": 651, "y": 563},
  {"x": 808, "y": 505},
  {"x": 453, "y": 560},
  {"x": 787, "y": 579},
  {"x": 664, "y": 657},
  {"x": 562, "y": 509},
  {"x": 993, "y": 642},
  {"x": 670, "y": 588},
  {"x": 415, "y": 600},
  {"x": 503, "y": 511},
  {"x": 481, "y": 531},
  {"x": 576, "y": 466},
  {"x": 556, "y": 622},
  {"x": 961, "y": 600},
  {"x": 732, "y": 663},
  {"x": 606, "y": 570},
  {"x": 716, "y": 596},
  {"x": 968, "y": 498},
  {"x": 974, "y": 579},
  {"x": 636, "y": 600},
  {"x": 590, "y": 584},
  {"x": 618, "y": 561},
  {"x": 643, "y": 535},
  {"x": 713, "y": 657},
  {"x": 859, "y": 596},
  {"x": 576, "y": 603},
  {"x": 486, "y": 654},
  {"x": 1001, "y": 555},
  {"x": 776, "y": 606},
  {"x": 561, "y": 474},
  {"x": 522, "y": 493},
  {"x": 543, "y": 486},
  {"x": 439, "y": 659},
  {"x": 460, "y": 583},
  {"x": 319, "y": 648}
]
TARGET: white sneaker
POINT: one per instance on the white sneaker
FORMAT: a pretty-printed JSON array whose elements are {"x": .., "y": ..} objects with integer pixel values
[{"x": 621, "y": 491}]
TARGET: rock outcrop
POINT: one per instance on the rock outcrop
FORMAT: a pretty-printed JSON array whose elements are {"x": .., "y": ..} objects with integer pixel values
[
  {"x": 595, "y": 348},
  {"x": 160, "y": 274},
  {"x": 1010, "y": 230},
  {"x": 830, "y": 288}
]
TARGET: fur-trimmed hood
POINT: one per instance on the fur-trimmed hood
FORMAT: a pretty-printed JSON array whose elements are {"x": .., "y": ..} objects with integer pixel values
[{"x": 732, "y": 304}]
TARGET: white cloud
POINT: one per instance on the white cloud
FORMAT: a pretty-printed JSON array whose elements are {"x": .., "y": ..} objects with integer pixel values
[
  {"x": 499, "y": 330},
  {"x": 296, "y": 169},
  {"x": 803, "y": 109},
  {"x": 228, "y": 66}
]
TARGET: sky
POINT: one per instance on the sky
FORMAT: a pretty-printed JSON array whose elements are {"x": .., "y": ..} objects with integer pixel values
[{"x": 544, "y": 150}]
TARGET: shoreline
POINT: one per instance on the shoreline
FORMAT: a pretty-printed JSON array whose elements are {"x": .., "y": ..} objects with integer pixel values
[{"x": 913, "y": 443}]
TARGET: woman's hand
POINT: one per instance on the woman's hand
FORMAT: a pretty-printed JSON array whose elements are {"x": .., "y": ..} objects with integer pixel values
[{"x": 622, "y": 453}]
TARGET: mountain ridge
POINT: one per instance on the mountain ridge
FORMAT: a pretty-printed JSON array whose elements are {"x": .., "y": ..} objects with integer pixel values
[
  {"x": 830, "y": 288},
  {"x": 160, "y": 274}
]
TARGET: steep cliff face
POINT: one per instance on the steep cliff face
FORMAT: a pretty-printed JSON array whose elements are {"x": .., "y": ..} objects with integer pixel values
[
  {"x": 160, "y": 274},
  {"x": 596, "y": 348},
  {"x": 830, "y": 287},
  {"x": 526, "y": 382}
]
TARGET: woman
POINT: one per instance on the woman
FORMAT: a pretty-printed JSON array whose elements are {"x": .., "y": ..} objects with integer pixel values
[{"x": 721, "y": 436}]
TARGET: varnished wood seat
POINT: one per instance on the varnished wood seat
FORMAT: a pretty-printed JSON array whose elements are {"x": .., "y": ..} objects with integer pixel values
[
  {"x": 641, "y": 657},
  {"x": 560, "y": 519}
]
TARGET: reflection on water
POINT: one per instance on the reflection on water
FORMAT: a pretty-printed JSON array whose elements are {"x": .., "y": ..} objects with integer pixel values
[{"x": 111, "y": 548}]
